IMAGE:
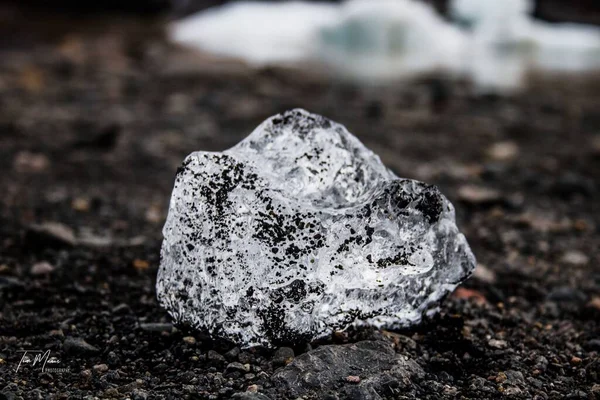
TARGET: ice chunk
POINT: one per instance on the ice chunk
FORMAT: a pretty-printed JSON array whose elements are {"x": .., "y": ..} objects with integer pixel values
[
  {"x": 565, "y": 47},
  {"x": 495, "y": 43},
  {"x": 300, "y": 229},
  {"x": 471, "y": 13},
  {"x": 387, "y": 39},
  {"x": 363, "y": 38},
  {"x": 506, "y": 43},
  {"x": 258, "y": 32}
]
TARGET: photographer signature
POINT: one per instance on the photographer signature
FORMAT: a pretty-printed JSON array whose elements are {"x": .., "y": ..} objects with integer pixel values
[{"x": 37, "y": 357}]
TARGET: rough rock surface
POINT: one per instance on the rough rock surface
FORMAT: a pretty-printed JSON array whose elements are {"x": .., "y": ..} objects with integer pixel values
[
  {"x": 300, "y": 229},
  {"x": 364, "y": 370}
]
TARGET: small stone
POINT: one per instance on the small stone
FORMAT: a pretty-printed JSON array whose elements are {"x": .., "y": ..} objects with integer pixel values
[
  {"x": 575, "y": 257},
  {"x": 503, "y": 151},
  {"x": 100, "y": 368},
  {"x": 478, "y": 194},
  {"x": 484, "y": 274},
  {"x": 42, "y": 268},
  {"x": 29, "y": 162},
  {"x": 78, "y": 346},
  {"x": 299, "y": 231},
  {"x": 512, "y": 391},
  {"x": 50, "y": 234},
  {"x": 141, "y": 265},
  {"x": 283, "y": 356},
  {"x": 80, "y": 204},
  {"x": 245, "y": 357},
  {"x": 576, "y": 360},
  {"x": 215, "y": 357},
  {"x": 470, "y": 294},
  {"x": 139, "y": 394},
  {"x": 594, "y": 303},
  {"x": 233, "y": 354},
  {"x": 400, "y": 341},
  {"x": 340, "y": 337},
  {"x": 236, "y": 366},
  {"x": 450, "y": 391},
  {"x": 515, "y": 377},
  {"x": 111, "y": 393},
  {"x": 189, "y": 339},
  {"x": 121, "y": 308},
  {"x": 541, "y": 363},
  {"x": 497, "y": 344},
  {"x": 113, "y": 359},
  {"x": 91, "y": 240},
  {"x": 252, "y": 388},
  {"x": 130, "y": 386},
  {"x": 154, "y": 214}
]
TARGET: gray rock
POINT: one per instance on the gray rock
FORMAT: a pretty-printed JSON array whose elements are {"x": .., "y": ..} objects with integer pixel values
[
  {"x": 215, "y": 357},
  {"x": 78, "y": 346},
  {"x": 382, "y": 372},
  {"x": 233, "y": 354},
  {"x": 236, "y": 366},
  {"x": 283, "y": 356},
  {"x": 300, "y": 230},
  {"x": 42, "y": 268}
]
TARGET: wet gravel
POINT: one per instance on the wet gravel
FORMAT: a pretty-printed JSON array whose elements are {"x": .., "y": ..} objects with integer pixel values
[{"x": 93, "y": 125}]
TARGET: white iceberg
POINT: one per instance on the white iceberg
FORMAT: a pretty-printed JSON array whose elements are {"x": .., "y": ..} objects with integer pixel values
[
  {"x": 472, "y": 13},
  {"x": 388, "y": 39},
  {"x": 258, "y": 32},
  {"x": 495, "y": 43},
  {"x": 506, "y": 43}
]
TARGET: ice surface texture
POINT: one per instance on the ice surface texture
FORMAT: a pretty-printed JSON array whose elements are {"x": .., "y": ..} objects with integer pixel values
[{"x": 300, "y": 229}]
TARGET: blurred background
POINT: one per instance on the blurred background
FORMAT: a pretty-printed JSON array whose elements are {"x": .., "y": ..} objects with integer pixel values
[{"x": 496, "y": 102}]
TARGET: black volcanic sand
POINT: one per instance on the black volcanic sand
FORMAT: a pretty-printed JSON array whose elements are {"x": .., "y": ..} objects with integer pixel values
[{"x": 93, "y": 125}]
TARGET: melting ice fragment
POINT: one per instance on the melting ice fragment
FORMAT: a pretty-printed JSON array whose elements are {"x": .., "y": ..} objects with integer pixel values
[{"x": 300, "y": 229}]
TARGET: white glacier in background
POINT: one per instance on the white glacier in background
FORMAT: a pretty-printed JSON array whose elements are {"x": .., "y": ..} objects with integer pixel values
[
  {"x": 471, "y": 13},
  {"x": 258, "y": 32},
  {"x": 505, "y": 43},
  {"x": 495, "y": 43},
  {"x": 387, "y": 39}
]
